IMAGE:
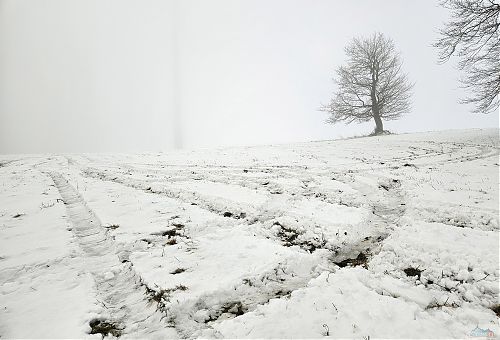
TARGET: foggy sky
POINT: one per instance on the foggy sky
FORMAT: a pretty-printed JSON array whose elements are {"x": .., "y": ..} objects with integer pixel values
[{"x": 151, "y": 75}]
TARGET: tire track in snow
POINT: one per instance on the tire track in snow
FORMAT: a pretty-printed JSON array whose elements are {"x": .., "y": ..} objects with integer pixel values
[
  {"x": 259, "y": 215},
  {"x": 388, "y": 205},
  {"x": 221, "y": 206},
  {"x": 120, "y": 290}
]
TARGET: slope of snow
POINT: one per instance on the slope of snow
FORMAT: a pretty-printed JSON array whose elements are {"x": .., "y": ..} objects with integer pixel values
[{"x": 391, "y": 236}]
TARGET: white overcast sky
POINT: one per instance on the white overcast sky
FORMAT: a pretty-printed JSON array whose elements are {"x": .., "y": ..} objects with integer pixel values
[{"x": 150, "y": 75}]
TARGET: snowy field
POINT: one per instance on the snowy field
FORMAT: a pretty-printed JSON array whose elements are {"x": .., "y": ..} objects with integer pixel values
[{"x": 393, "y": 236}]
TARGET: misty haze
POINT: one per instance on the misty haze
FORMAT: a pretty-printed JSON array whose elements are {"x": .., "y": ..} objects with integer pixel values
[{"x": 249, "y": 169}]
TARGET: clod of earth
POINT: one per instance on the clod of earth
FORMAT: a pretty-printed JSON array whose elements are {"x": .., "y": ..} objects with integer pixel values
[
  {"x": 170, "y": 233},
  {"x": 178, "y": 271},
  {"x": 410, "y": 271},
  {"x": 112, "y": 226},
  {"x": 360, "y": 260},
  {"x": 171, "y": 241}
]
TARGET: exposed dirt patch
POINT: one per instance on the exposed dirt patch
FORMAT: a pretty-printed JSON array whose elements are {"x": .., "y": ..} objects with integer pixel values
[
  {"x": 283, "y": 293},
  {"x": 173, "y": 234},
  {"x": 241, "y": 215},
  {"x": 169, "y": 233},
  {"x": 104, "y": 327},
  {"x": 496, "y": 309},
  {"x": 287, "y": 235},
  {"x": 360, "y": 253},
  {"x": 410, "y": 271},
  {"x": 233, "y": 308},
  {"x": 360, "y": 260},
  {"x": 171, "y": 241},
  {"x": 112, "y": 226},
  {"x": 178, "y": 271},
  {"x": 291, "y": 237}
]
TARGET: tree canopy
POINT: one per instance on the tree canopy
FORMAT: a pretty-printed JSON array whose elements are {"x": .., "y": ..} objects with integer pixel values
[{"x": 371, "y": 85}]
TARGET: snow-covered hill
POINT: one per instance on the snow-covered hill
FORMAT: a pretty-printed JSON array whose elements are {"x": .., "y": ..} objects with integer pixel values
[{"x": 391, "y": 236}]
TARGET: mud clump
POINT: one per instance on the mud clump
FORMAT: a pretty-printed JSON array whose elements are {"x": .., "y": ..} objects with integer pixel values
[
  {"x": 360, "y": 260},
  {"x": 178, "y": 271},
  {"x": 171, "y": 241},
  {"x": 172, "y": 232},
  {"x": 410, "y": 271}
]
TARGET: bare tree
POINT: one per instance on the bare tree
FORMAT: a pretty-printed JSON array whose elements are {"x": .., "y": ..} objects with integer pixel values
[
  {"x": 472, "y": 35},
  {"x": 371, "y": 85}
]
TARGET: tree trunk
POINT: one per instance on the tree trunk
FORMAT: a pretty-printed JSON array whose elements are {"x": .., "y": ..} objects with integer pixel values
[{"x": 379, "y": 126}]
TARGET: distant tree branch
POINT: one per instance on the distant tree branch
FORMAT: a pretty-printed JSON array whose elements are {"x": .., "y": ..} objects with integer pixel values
[{"x": 472, "y": 35}]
